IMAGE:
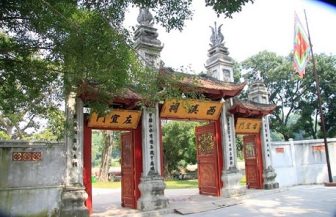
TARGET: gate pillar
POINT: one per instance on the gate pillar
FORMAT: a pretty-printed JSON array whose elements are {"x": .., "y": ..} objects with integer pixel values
[
  {"x": 231, "y": 176},
  {"x": 258, "y": 93},
  {"x": 269, "y": 173},
  {"x": 151, "y": 183},
  {"x": 74, "y": 195}
]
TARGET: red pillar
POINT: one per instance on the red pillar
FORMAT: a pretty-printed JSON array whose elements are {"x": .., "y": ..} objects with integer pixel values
[
  {"x": 219, "y": 151},
  {"x": 137, "y": 138},
  {"x": 87, "y": 164},
  {"x": 161, "y": 150}
]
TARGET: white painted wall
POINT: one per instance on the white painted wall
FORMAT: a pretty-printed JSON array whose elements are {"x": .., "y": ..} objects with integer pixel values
[
  {"x": 31, "y": 188},
  {"x": 300, "y": 164}
]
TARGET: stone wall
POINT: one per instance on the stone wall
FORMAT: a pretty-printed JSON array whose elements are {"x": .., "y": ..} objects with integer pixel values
[
  {"x": 32, "y": 178},
  {"x": 303, "y": 162}
]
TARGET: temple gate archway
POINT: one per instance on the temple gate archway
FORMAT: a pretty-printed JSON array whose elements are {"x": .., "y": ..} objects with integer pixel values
[
  {"x": 131, "y": 153},
  {"x": 250, "y": 121},
  {"x": 208, "y": 139}
]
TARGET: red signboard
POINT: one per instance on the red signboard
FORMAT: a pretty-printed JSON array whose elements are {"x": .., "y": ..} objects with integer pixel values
[
  {"x": 318, "y": 148},
  {"x": 280, "y": 150}
]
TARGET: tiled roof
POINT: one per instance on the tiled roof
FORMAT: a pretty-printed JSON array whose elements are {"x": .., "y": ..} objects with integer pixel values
[
  {"x": 251, "y": 109},
  {"x": 210, "y": 87},
  {"x": 126, "y": 96}
]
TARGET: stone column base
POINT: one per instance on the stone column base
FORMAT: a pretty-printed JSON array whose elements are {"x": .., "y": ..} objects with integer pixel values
[
  {"x": 269, "y": 186},
  {"x": 269, "y": 178},
  {"x": 231, "y": 181},
  {"x": 73, "y": 202},
  {"x": 152, "y": 193}
]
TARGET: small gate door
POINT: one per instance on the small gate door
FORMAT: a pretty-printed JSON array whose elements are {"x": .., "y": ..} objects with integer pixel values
[
  {"x": 209, "y": 182},
  {"x": 128, "y": 189},
  {"x": 253, "y": 161}
]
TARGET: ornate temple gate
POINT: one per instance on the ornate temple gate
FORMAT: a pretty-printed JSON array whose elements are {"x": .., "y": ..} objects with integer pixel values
[
  {"x": 209, "y": 159},
  {"x": 250, "y": 128},
  {"x": 131, "y": 157},
  {"x": 208, "y": 139}
]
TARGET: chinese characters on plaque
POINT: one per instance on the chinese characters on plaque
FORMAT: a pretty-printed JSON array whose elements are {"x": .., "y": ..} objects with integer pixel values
[
  {"x": 116, "y": 119},
  {"x": 191, "y": 109},
  {"x": 248, "y": 125}
]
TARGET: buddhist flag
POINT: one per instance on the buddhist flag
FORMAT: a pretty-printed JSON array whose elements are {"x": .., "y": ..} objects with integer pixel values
[{"x": 301, "y": 47}]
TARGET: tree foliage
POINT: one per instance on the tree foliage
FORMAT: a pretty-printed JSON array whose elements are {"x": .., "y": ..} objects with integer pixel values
[
  {"x": 297, "y": 107},
  {"x": 179, "y": 145},
  {"x": 50, "y": 48}
]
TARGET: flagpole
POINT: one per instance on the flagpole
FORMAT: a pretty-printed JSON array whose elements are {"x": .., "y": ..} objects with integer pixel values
[{"x": 318, "y": 92}]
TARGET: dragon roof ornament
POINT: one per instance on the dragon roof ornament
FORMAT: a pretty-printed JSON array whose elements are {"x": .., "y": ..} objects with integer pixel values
[{"x": 217, "y": 37}]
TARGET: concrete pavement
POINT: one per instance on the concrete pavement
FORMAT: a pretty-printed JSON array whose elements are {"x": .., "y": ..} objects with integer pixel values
[{"x": 298, "y": 201}]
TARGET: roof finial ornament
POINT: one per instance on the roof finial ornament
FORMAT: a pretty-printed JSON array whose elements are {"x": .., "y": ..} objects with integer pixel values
[
  {"x": 217, "y": 37},
  {"x": 257, "y": 76},
  {"x": 145, "y": 17}
]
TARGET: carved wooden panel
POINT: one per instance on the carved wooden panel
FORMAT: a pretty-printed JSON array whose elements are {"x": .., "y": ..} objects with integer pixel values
[
  {"x": 249, "y": 149},
  {"x": 251, "y": 174},
  {"x": 27, "y": 156},
  {"x": 206, "y": 143},
  {"x": 207, "y": 174}
]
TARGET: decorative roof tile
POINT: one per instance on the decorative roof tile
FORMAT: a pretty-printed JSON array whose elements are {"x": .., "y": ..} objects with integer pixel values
[{"x": 251, "y": 109}]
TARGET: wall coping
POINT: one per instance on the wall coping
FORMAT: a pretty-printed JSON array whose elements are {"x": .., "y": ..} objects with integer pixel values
[
  {"x": 28, "y": 144},
  {"x": 303, "y": 142},
  {"x": 31, "y": 187}
]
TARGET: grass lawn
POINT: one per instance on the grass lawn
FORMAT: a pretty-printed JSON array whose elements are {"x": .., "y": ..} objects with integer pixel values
[
  {"x": 178, "y": 184},
  {"x": 243, "y": 181},
  {"x": 171, "y": 184},
  {"x": 113, "y": 185}
]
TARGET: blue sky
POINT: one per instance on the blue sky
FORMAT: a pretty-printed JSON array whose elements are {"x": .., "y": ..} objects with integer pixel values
[{"x": 264, "y": 25}]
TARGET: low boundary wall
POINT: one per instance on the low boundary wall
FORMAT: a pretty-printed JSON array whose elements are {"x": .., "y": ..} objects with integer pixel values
[
  {"x": 32, "y": 178},
  {"x": 303, "y": 162}
]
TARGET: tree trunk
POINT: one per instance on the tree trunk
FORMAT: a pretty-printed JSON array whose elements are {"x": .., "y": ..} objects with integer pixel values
[{"x": 106, "y": 156}]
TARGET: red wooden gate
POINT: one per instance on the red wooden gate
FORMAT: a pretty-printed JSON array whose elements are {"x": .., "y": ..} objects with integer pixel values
[
  {"x": 209, "y": 159},
  {"x": 253, "y": 161},
  {"x": 131, "y": 166},
  {"x": 127, "y": 171}
]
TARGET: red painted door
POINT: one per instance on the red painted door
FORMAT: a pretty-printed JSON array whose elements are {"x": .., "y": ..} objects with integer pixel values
[
  {"x": 128, "y": 189},
  {"x": 208, "y": 148},
  {"x": 253, "y": 161}
]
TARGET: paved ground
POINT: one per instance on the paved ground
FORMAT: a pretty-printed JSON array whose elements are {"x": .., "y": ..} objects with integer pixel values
[{"x": 299, "y": 201}]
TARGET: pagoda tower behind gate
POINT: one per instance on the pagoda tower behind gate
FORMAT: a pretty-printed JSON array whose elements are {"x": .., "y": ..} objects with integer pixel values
[
  {"x": 152, "y": 185},
  {"x": 219, "y": 64},
  {"x": 146, "y": 41}
]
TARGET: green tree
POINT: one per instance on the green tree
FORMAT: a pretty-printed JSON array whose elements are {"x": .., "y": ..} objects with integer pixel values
[
  {"x": 102, "y": 141},
  {"x": 54, "y": 130},
  {"x": 97, "y": 147},
  {"x": 76, "y": 41},
  {"x": 179, "y": 146},
  {"x": 297, "y": 108},
  {"x": 310, "y": 115},
  {"x": 285, "y": 91}
]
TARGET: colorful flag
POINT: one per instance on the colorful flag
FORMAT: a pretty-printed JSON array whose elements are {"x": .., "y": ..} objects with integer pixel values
[{"x": 301, "y": 47}]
